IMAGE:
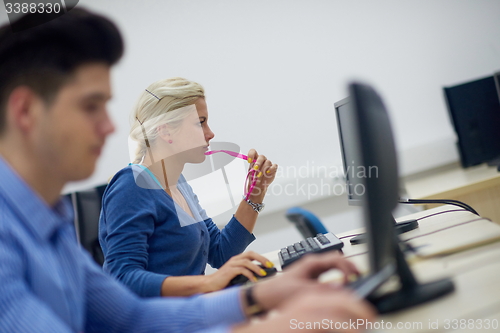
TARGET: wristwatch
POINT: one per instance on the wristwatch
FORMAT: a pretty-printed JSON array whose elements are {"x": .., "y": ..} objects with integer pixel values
[
  {"x": 253, "y": 308},
  {"x": 258, "y": 207}
]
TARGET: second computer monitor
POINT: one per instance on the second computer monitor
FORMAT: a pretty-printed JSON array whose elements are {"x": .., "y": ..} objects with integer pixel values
[{"x": 353, "y": 184}]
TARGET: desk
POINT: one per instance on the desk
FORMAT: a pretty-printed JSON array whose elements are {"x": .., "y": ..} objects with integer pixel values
[
  {"x": 477, "y": 186},
  {"x": 475, "y": 271}
]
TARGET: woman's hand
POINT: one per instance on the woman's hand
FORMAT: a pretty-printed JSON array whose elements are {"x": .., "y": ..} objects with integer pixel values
[
  {"x": 266, "y": 172},
  {"x": 239, "y": 264}
]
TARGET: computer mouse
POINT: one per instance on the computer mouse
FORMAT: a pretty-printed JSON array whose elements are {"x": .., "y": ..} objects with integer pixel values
[{"x": 242, "y": 279}]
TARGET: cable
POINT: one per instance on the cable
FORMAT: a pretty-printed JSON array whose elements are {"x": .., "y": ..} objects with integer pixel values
[
  {"x": 439, "y": 213},
  {"x": 408, "y": 245},
  {"x": 418, "y": 219},
  {"x": 439, "y": 201},
  {"x": 351, "y": 235},
  {"x": 450, "y": 227}
]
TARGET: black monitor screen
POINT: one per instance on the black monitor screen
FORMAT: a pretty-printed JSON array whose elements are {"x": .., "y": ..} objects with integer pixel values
[{"x": 474, "y": 108}]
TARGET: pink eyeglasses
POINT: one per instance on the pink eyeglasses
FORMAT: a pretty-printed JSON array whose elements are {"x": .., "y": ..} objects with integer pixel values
[{"x": 252, "y": 173}]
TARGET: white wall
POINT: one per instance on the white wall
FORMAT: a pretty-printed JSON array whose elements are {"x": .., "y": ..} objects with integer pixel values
[{"x": 273, "y": 69}]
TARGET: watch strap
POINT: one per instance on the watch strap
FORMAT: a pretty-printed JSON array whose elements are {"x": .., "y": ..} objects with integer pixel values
[
  {"x": 253, "y": 308},
  {"x": 258, "y": 207}
]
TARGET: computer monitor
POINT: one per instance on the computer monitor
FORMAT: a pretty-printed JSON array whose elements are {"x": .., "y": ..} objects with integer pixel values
[
  {"x": 474, "y": 109},
  {"x": 496, "y": 77},
  {"x": 373, "y": 146},
  {"x": 354, "y": 187},
  {"x": 353, "y": 170}
]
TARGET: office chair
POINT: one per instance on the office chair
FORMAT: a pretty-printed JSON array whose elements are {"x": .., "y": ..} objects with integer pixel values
[
  {"x": 306, "y": 222},
  {"x": 87, "y": 206}
]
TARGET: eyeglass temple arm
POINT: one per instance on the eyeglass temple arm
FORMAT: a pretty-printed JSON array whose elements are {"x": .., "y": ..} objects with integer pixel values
[
  {"x": 232, "y": 153},
  {"x": 245, "y": 157},
  {"x": 254, "y": 180}
]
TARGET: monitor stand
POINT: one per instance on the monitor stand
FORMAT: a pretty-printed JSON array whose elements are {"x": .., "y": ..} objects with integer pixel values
[
  {"x": 399, "y": 227},
  {"x": 411, "y": 292}
]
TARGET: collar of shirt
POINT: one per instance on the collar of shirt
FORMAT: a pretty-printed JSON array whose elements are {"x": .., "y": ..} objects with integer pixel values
[{"x": 41, "y": 219}]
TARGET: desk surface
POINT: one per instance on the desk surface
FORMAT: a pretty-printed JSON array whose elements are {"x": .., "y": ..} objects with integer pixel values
[
  {"x": 474, "y": 269},
  {"x": 455, "y": 179}
]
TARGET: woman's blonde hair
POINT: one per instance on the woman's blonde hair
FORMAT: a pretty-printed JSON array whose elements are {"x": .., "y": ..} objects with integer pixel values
[{"x": 157, "y": 105}]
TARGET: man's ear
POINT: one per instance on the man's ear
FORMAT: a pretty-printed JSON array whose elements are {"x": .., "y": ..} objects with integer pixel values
[{"x": 21, "y": 107}]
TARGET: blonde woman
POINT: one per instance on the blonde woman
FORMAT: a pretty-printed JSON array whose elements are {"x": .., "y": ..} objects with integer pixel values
[{"x": 155, "y": 236}]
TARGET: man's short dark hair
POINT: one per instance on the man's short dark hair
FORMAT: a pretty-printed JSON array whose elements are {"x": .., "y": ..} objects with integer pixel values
[{"x": 45, "y": 56}]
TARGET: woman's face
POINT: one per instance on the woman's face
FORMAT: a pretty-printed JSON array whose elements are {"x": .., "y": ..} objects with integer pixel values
[{"x": 191, "y": 139}]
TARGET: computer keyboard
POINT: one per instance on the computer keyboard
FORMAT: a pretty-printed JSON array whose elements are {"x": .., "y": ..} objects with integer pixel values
[{"x": 320, "y": 243}]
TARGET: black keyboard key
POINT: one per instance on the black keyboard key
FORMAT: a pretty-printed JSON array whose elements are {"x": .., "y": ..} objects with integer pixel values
[
  {"x": 313, "y": 244},
  {"x": 298, "y": 247},
  {"x": 322, "y": 239},
  {"x": 306, "y": 246},
  {"x": 291, "y": 249}
]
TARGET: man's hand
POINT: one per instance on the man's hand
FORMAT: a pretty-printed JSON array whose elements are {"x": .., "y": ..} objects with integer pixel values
[
  {"x": 317, "y": 310},
  {"x": 300, "y": 277}
]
